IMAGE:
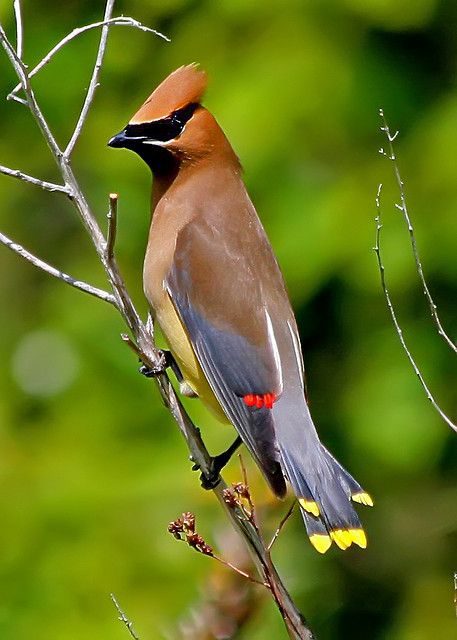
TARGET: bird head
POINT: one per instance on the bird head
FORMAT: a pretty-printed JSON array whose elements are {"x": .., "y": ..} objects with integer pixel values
[{"x": 172, "y": 128}]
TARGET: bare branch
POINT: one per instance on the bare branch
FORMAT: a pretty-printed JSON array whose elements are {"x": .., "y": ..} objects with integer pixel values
[
  {"x": 240, "y": 572},
  {"x": 23, "y": 76},
  {"x": 93, "y": 81},
  {"x": 121, "y": 21},
  {"x": 377, "y": 250},
  {"x": 391, "y": 155},
  {"x": 56, "y": 273},
  {"x": 19, "y": 27},
  {"x": 112, "y": 225},
  {"x": 47, "y": 186},
  {"x": 123, "y": 618},
  {"x": 281, "y": 525},
  {"x": 123, "y": 301},
  {"x": 245, "y": 492}
]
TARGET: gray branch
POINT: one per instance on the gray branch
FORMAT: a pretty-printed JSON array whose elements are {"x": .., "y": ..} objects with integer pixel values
[
  {"x": 93, "y": 81},
  {"x": 56, "y": 273},
  {"x": 47, "y": 186},
  {"x": 123, "y": 618},
  {"x": 377, "y": 250},
  {"x": 121, "y": 21},
  {"x": 391, "y": 155},
  {"x": 19, "y": 27}
]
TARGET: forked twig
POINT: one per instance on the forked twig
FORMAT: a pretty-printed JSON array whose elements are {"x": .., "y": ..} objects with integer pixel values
[
  {"x": 121, "y": 21},
  {"x": 377, "y": 250},
  {"x": 47, "y": 186},
  {"x": 56, "y": 273},
  {"x": 184, "y": 530},
  {"x": 403, "y": 207},
  {"x": 31, "y": 101},
  {"x": 93, "y": 81},
  {"x": 281, "y": 525}
]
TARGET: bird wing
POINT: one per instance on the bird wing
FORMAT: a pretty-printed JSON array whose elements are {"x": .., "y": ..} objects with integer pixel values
[{"x": 230, "y": 330}]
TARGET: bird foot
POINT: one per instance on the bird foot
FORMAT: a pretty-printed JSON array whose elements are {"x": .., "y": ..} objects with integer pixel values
[
  {"x": 211, "y": 479},
  {"x": 165, "y": 360}
]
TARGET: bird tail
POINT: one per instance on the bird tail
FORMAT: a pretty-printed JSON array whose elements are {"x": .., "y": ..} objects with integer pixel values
[{"x": 324, "y": 489}]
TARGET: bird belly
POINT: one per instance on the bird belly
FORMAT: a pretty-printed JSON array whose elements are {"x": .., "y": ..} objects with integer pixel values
[{"x": 181, "y": 348}]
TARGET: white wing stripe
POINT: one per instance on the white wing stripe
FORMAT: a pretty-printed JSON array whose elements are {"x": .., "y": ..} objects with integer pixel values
[{"x": 274, "y": 347}]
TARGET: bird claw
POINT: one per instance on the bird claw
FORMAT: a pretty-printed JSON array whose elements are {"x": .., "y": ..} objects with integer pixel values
[
  {"x": 211, "y": 482},
  {"x": 151, "y": 372},
  {"x": 212, "y": 478},
  {"x": 164, "y": 362}
]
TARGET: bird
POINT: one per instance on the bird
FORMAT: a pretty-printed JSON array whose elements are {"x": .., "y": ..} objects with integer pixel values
[{"x": 216, "y": 290}]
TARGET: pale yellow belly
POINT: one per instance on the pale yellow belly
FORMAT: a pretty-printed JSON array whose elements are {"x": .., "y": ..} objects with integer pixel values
[{"x": 184, "y": 355}]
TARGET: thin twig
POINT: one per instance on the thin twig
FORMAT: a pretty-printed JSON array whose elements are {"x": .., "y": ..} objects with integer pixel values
[
  {"x": 19, "y": 27},
  {"x": 251, "y": 515},
  {"x": 377, "y": 250},
  {"x": 391, "y": 155},
  {"x": 93, "y": 81},
  {"x": 47, "y": 186},
  {"x": 120, "y": 21},
  {"x": 281, "y": 525},
  {"x": 112, "y": 225},
  {"x": 123, "y": 618},
  {"x": 123, "y": 301},
  {"x": 56, "y": 273},
  {"x": 23, "y": 76},
  {"x": 240, "y": 572}
]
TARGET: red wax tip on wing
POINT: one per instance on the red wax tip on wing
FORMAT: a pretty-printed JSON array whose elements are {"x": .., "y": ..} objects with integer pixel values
[
  {"x": 249, "y": 400},
  {"x": 266, "y": 400}
]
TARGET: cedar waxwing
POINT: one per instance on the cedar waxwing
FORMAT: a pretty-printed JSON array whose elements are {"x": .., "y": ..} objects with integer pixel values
[{"x": 216, "y": 290}]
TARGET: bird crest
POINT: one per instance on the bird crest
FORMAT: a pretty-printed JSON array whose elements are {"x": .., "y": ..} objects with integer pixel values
[{"x": 184, "y": 86}]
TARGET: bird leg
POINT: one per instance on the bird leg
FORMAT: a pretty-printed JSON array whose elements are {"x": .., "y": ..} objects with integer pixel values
[
  {"x": 167, "y": 361},
  {"x": 209, "y": 481}
]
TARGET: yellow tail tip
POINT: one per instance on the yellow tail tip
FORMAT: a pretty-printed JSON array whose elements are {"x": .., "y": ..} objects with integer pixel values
[
  {"x": 359, "y": 537},
  {"x": 310, "y": 506},
  {"x": 363, "y": 498},
  {"x": 342, "y": 538},
  {"x": 345, "y": 537},
  {"x": 321, "y": 542}
]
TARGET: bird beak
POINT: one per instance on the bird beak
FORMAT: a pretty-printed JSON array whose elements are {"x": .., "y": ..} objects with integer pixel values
[{"x": 119, "y": 141}]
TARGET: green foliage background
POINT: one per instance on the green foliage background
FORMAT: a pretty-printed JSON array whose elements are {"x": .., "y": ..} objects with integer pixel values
[{"x": 91, "y": 466}]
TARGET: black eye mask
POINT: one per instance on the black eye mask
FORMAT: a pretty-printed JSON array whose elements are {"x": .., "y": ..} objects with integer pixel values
[{"x": 165, "y": 129}]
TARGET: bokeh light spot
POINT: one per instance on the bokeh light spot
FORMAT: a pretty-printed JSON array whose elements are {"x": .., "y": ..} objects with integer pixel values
[{"x": 44, "y": 363}]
